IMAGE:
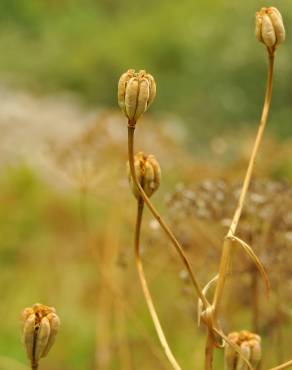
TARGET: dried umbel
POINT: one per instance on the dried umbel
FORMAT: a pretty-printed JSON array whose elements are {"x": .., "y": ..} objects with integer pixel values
[
  {"x": 148, "y": 173},
  {"x": 250, "y": 346},
  {"x": 40, "y": 327},
  {"x": 136, "y": 91},
  {"x": 270, "y": 29}
]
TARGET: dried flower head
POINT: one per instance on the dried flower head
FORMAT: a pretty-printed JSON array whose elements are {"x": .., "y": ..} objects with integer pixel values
[
  {"x": 250, "y": 345},
  {"x": 40, "y": 327},
  {"x": 148, "y": 173},
  {"x": 136, "y": 91},
  {"x": 270, "y": 29}
]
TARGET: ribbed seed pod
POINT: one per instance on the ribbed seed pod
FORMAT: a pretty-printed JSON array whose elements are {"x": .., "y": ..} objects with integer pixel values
[
  {"x": 136, "y": 91},
  {"x": 54, "y": 326},
  {"x": 40, "y": 327},
  {"x": 28, "y": 335},
  {"x": 250, "y": 345},
  {"x": 230, "y": 356},
  {"x": 256, "y": 352},
  {"x": 245, "y": 350},
  {"x": 122, "y": 87},
  {"x": 270, "y": 28},
  {"x": 148, "y": 174},
  {"x": 42, "y": 338}
]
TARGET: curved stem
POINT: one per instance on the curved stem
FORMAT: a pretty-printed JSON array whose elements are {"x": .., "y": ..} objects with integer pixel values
[
  {"x": 227, "y": 246},
  {"x": 283, "y": 366},
  {"x": 131, "y": 131},
  {"x": 147, "y": 294}
]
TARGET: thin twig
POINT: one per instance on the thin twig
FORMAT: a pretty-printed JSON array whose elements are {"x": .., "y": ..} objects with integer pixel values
[
  {"x": 209, "y": 349},
  {"x": 283, "y": 366},
  {"x": 227, "y": 246},
  {"x": 178, "y": 247},
  {"x": 34, "y": 366},
  {"x": 147, "y": 294}
]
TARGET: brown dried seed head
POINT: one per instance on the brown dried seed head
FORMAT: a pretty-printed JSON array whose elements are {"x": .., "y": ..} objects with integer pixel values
[
  {"x": 148, "y": 174},
  {"x": 40, "y": 326},
  {"x": 122, "y": 87},
  {"x": 28, "y": 334},
  {"x": 256, "y": 352},
  {"x": 278, "y": 24},
  {"x": 54, "y": 326},
  {"x": 245, "y": 351},
  {"x": 270, "y": 28},
  {"x": 42, "y": 338},
  {"x": 136, "y": 91}
]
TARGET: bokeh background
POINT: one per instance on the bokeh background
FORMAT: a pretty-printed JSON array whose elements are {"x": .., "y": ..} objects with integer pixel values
[{"x": 66, "y": 213}]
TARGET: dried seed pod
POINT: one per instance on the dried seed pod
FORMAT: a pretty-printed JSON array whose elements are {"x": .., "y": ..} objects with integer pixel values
[
  {"x": 40, "y": 327},
  {"x": 148, "y": 173},
  {"x": 250, "y": 345},
  {"x": 230, "y": 356},
  {"x": 54, "y": 326},
  {"x": 256, "y": 352},
  {"x": 136, "y": 91},
  {"x": 270, "y": 28},
  {"x": 42, "y": 338},
  {"x": 28, "y": 335},
  {"x": 245, "y": 351}
]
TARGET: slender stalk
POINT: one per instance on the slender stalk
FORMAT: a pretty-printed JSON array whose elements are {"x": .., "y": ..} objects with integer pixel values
[
  {"x": 227, "y": 245},
  {"x": 34, "y": 366},
  {"x": 131, "y": 131},
  {"x": 209, "y": 349},
  {"x": 283, "y": 366},
  {"x": 147, "y": 294},
  {"x": 255, "y": 300}
]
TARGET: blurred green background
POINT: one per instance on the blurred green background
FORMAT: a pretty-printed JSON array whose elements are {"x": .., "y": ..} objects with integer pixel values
[
  {"x": 66, "y": 213},
  {"x": 209, "y": 67}
]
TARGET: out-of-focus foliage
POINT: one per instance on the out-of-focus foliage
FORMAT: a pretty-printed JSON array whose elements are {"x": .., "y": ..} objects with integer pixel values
[{"x": 209, "y": 67}]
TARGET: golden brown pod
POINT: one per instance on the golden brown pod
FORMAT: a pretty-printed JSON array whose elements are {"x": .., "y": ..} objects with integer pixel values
[
  {"x": 270, "y": 28},
  {"x": 136, "y": 91},
  {"x": 54, "y": 326},
  {"x": 245, "y": 351},
  {"x": 28, "y": 334},
  {"x": 42, "y": 338},
  {"x": 148, "y": 174},
  {"x": 230, "y": 356},
  {"x": 40, "y": 327}
]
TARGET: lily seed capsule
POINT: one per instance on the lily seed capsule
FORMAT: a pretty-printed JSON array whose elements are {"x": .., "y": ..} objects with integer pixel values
[
  {"x": 136, "y": 92},
  {"x": 250, "y": 346},
  {"x": 40, "y": 327},
  {"x": 270, "y": 28},
  {"x": 148, "y": 174}
]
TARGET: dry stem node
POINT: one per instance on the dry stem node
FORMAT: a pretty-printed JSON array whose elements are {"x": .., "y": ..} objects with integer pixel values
[
  {"x": 40, "y": 327},
  {"x": 136, "y": 92},
  {"x": 148, "y": 173},
  {"x": 270, "y": 28},
  {"x": 250, "y": 346}
]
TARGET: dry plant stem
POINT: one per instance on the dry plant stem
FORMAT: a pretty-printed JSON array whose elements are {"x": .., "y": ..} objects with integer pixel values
[
  {"x": 147, "y": 295},
  {"x": 227, "y": 246},
  {"x": 131, "y": 131},
  {"x": 255, "y": 300},
  {"x": 209, "y": 351},
  {"x": 286, "y": 365},
  {"x": 34, "y": 366}
]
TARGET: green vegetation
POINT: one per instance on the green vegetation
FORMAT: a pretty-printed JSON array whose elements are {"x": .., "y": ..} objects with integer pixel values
[{"x": 204, "y": 55}]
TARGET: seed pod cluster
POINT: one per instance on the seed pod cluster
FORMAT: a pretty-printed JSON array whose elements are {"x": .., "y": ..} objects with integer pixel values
[
  {"x": 40, "y": 327},
  {"x": 148, "y": 173},
  {"x": 250, "y": 345},
  {"x": 136, "y": 92},
  {"x": 270, "y": 28}
]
